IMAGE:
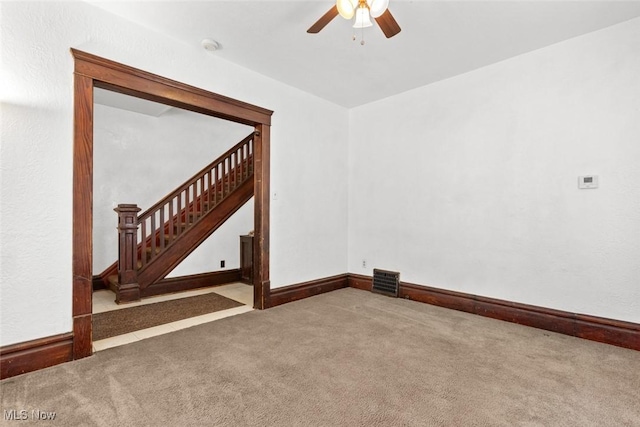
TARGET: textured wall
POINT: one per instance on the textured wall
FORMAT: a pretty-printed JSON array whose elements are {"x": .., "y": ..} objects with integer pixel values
[
  {"x": 309, "y": 135},
  {"x": 470, "y": 184}
]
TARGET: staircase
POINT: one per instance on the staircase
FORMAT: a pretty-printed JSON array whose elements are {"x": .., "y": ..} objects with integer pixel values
[{"x": 153, "y": 243}]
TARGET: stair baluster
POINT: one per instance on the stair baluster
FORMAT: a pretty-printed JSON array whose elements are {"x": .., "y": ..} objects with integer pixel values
[{"x": 171, "y": 220}]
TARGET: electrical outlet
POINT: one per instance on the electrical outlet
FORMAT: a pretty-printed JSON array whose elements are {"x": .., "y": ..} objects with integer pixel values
[
  {"x": 222, "y": 264},
  {"x": 364, "y": 263}
]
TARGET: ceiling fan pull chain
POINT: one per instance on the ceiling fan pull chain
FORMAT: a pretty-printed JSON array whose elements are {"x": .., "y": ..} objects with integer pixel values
[{"x": 354, "y": 37}]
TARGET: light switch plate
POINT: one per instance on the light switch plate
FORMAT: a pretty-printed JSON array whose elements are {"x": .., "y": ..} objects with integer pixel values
[{"x": 588, "y": 181}]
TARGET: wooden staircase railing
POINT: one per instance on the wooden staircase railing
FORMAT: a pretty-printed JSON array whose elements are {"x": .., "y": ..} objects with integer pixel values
[{"x": 163, "y": 230}]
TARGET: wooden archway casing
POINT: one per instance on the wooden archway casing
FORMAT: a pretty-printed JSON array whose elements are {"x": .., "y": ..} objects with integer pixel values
[{"x": 93, "y": 71}]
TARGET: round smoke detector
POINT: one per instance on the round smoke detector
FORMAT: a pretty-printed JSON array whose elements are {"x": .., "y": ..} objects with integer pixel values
[{"x": 210, "y": 45}]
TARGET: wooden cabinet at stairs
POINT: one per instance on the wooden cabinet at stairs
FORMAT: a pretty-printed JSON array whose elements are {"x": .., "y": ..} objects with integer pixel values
[{"x": 246, "y": 259}]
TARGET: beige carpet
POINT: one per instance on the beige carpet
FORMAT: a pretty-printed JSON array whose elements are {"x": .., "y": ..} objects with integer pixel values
[{"x": 347, "y": 358}]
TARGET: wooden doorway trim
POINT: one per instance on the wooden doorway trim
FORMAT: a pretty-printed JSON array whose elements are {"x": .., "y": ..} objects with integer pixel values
[{"x": 93, "y": 71}]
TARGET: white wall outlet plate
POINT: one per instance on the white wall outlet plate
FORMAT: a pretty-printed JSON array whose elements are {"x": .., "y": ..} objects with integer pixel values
[{"x": 588, "y": 181}]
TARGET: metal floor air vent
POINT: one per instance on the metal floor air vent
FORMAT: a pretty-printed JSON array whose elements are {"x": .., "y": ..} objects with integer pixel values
[{"x": 386, "y": 282}]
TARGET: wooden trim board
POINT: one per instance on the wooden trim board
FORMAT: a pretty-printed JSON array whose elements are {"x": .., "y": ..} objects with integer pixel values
[
  {"x": 93, "y": 71},
  {"x": 307, "y": 289},
  {"x": 357, "y": 281},
  {"x": 608, "y": 331},
  {"x": 261, "y": 214},
  {"x": 132, "y": 81},
  {"x": 37, "y": 354},
  {"x": 194, "y": 281}
]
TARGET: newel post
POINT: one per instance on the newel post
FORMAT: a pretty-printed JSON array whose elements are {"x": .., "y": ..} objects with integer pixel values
[{"x": 128, "y": 288}]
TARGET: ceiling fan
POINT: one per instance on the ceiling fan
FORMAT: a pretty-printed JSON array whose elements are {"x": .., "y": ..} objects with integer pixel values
[{"x": 363, "y": 11}]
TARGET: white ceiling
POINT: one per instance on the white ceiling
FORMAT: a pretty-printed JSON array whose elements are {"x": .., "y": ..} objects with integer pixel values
[
  {"x": 130, "y": 103},
  {"x": 439, "y": 39}
]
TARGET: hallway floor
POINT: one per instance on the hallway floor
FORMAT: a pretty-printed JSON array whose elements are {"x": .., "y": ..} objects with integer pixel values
[{"x": 104, "y": 300}]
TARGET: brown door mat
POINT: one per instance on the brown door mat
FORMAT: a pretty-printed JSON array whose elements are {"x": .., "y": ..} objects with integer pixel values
[{"x": 119, "y": 322}]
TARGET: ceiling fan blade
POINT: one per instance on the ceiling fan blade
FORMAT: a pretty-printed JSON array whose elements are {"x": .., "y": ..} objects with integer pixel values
[
  {"x": 322, "y": 22},
  {"x": 388, "y": 24}
]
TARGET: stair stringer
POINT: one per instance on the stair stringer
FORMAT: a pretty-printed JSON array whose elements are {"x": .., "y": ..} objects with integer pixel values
[{"x": 161, "y": 265}]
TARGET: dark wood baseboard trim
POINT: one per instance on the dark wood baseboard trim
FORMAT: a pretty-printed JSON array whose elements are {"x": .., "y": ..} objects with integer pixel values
[
  {"x": 82, "y": 336},
  {"x": 609, "y": 331},
  {"x": 307, "y": 289},
  {"x": 97, "y": 283},
  {"x": 37, "y": 354},
  {"x": 41, "y": 353},
  {"x": 359, "y": 281},
  {"x": 261, "y": 295},
  {"x": 194, "y": 281}
]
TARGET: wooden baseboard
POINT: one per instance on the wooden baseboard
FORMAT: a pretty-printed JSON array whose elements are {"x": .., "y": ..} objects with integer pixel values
[
  {"x": 37, "y": 354},
  {"x": 97, "y": 283},
  {"x": 194, "y": 281},
  {"x": 42, "y": 353},
  {"x": 82, "y": 336},
  {"x": 359, "y": 281},
  {"x": 307, "y": 289},
  {"x": 609, "y": 331},
  {"x": 29, "y": 356}
]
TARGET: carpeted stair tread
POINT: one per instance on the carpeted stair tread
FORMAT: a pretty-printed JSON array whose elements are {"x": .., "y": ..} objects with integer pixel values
[{"x": 119, "y": 322}]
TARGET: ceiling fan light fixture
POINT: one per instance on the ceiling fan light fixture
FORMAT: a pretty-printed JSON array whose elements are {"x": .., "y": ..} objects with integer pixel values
[
  {"x": 363, "y": 11},
  {"x": 346, "y": 8},
  {"x": 362, "y": 18},
  {"x": 377, "y": 7}
]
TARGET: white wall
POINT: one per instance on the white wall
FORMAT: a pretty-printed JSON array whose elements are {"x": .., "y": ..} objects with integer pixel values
[
  {"x": 309, "y": 138},
  {"x": 470, "y": 184},
  {"x": 138, "y": 158}
]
